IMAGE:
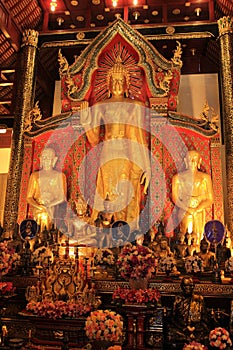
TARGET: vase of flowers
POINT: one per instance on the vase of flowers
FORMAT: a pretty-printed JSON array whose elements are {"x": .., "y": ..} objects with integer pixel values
[
  {"x": 104, "y": 328},
  {"x": 136, "y": 263},
  {"x": 104, "y": 257},
  {"x": 167, "y": 265},
  {"x": 220, "y": 338},
  {"x": 193, "y": 265},
  {"x": 194, "y": 346},
  {"x": 9, "y": 259}
]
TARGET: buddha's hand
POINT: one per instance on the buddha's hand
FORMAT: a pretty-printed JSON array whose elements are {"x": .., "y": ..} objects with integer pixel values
[
  {"x": 41, "y": 207},
  {"x": 84, "y": 113},
  {"x": 145, "y": 179},
  {"x": 84, "y": 105}
]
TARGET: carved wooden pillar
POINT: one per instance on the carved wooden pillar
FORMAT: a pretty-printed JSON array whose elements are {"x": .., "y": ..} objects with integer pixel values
[
  {"x": 225, "y": 26},
  {"x": 25, "y": 93}
]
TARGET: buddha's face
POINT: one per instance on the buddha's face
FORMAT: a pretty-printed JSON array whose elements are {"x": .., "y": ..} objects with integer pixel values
[
  {"x": 117, "y": 84},
  {"x": 193, "y": 160},
  {"x": 164, "y": 245},
  {"x": 48, "y": 159},
  {"x": 187, "y": 286}
]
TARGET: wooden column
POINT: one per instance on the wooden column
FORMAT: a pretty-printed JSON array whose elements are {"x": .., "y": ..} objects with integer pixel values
[
  {"x": 24, "y": 100},
  {"x": 225, "y": 26}
]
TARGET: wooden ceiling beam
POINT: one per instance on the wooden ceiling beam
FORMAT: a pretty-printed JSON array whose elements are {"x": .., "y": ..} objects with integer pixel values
[
  {"x": 5, "y": 101},
  {"x": 9, "y": 27}
]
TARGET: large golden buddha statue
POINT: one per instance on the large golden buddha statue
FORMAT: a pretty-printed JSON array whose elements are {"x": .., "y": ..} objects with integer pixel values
[
  {"x": 192, "y": 193},
  {"x": 124, "y": 160},
  {"x": 46, "y": 189}
]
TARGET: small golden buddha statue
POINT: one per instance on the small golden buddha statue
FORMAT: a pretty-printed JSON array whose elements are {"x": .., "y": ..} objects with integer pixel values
[
  {"x": 46, "y": 189},
  {"x": 192, "y": 193}
]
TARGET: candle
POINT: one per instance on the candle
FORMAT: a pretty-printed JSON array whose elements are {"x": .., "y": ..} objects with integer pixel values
[
  {"x": 29, "y": 333},
  {"x": 4, "y": 331}
]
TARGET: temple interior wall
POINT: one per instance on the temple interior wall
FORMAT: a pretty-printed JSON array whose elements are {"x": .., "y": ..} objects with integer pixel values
[{"x": 194, "y": 91}]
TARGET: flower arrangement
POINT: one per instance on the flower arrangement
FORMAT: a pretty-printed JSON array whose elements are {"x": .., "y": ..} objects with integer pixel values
[
  {"x": 229, "y": 265},
  {"x": 136, "y": 262},
  {"x": 8, "y": 258},
  {"x": 220, "y": 338},
  {"x": 104, "y": 325},
  {"x": 104, "y": 257},
  {"x": 193, "y": 264},
  {"x": 6, "y": 288},
  {"x": 136, "y": 296},
  {"x": 167, "y": 264},
  {"x": 58, "y": 309},
  {"x": 194, "y": 346},
  {"x": 42, "y": 256}
]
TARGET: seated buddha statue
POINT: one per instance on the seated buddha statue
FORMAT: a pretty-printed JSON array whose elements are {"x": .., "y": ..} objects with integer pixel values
[
  {"x": 207, "y": 257},
  {"x": 83, "y": 231},
  {"x": 162, "y": 250}
]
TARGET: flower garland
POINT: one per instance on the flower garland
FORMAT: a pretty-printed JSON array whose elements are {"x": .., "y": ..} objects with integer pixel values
[
  {"x": 220, "y": 338},
  {"x": 104, "y": 257},
  {"x": 8, "y": 258},
  {"x": 193, "y": 264},
  {"x": 136, "y": 262},
  {"x": 58, "y": 309},
  {"x": 194, "y": 346},
  {"x": 133, "y": 296},
  {"x": 104, "y": 325}
]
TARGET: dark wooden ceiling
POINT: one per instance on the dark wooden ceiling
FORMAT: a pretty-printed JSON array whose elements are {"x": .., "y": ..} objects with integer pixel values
[{"x": 81, "y": 20}]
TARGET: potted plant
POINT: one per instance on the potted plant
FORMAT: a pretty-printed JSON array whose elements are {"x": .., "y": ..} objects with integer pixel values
[{"x": 9, "y": 259}]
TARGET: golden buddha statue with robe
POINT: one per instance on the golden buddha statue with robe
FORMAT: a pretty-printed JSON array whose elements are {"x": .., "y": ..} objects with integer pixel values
[
  {"x": 46, "y": 189},
  {"x": 192, "y": 193},
  {"x": 124, "y": 157}
]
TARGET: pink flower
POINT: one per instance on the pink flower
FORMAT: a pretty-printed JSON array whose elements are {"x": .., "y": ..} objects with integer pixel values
[{"x": 136, "y": 296}]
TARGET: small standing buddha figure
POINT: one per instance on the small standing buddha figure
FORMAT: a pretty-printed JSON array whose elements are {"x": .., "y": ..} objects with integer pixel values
[{"x": 104, "y": 223}]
